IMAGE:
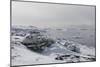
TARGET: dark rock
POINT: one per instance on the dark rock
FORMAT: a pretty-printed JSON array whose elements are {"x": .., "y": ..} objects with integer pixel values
[
  {"x": 77, "y": 56},
  {"x": 59, "y": 58},
  {"x": 37, "y": 42}
]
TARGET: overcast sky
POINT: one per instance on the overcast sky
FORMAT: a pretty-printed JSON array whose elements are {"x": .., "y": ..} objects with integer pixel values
[{"x": 51, "y": 15}]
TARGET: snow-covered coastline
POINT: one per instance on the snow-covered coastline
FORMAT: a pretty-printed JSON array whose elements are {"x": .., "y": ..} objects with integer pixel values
[{"x": 56, "y": 53}]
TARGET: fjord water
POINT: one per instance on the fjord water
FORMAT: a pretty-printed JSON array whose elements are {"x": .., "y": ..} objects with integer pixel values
[{"x": 82, "y": 34}]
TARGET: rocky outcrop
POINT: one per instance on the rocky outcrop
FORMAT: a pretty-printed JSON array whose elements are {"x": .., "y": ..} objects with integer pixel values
[{"x": 36, "y": 41}]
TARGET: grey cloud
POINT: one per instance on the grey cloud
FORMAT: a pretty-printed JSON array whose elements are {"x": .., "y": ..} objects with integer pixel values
[{"x": 43, "y": 14}]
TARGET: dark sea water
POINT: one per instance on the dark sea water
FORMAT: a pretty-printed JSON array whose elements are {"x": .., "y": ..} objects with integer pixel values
[{"x": 84, "y": 35}]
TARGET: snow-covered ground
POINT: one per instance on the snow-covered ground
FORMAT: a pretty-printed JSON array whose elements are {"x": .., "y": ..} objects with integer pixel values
[{"x": 56, "y": 53}]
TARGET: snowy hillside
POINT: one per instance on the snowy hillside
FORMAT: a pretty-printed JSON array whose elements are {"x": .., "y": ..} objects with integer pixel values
[{"x": 62, "y": 50}]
